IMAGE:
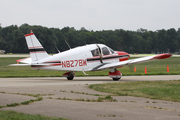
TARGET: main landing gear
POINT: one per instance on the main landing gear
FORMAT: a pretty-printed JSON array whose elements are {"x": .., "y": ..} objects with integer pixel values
[
  {"x": 115, "y": 74},
  {"x": 69, "y": 75}
]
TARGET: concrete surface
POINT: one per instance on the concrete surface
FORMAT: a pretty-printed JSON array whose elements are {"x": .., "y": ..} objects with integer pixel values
[{"x": 52, "y": 88}]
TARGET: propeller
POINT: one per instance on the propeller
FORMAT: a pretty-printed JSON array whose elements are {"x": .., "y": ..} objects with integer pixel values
[{"x": 100, "y": 53}]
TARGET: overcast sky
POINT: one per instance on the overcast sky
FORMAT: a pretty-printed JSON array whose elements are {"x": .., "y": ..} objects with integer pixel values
[{"x": 92, "y": 14}]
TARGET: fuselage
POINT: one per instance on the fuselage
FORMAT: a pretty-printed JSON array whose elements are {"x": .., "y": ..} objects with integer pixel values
[{"x": 83, "y": 58}]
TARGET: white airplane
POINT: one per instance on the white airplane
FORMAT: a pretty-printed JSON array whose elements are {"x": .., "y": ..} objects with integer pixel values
[{"x": 91, "y": 57}]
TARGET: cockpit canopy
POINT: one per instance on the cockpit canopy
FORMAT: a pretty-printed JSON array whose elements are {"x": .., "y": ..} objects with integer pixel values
[{"x": 105, "y": 51}]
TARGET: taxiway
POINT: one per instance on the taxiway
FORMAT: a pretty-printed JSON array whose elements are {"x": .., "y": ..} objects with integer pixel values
[{"x": 53, "y": 88}]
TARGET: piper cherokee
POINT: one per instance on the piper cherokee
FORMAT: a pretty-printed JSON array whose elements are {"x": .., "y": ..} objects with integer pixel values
[{"x": 91, "y": 57}]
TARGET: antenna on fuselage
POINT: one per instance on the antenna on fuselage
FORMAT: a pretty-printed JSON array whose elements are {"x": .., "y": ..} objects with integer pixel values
[
  {"x": 57, "y": 49},
  {"x": 67, "y": 44}
]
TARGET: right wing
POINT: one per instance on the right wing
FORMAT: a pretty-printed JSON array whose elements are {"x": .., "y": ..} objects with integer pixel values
[{"x": 132, "y": 61}]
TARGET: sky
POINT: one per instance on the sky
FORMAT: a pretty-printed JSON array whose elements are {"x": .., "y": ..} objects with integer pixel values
[{"x": 94, "y": 15}]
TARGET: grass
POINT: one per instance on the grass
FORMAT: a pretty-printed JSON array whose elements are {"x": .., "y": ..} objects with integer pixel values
[
  {"x": 162, "y": 90},
  {"x": 85, "y": 93},
  {"x": 107, "y": 98},
  {"x": 26, "y": 94},
  {"x": 12, "y": 115},
  {"x": 158, "y": 67},
  {"x": 160, "y": 108},
  {"x": 22, "y": 103},
  {"x": 108, "y": 115},
  {"x": 38, "y": 98}
]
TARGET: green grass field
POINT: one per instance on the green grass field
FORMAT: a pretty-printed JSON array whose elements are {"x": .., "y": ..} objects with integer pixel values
[
  {"x": 12, "y": 115},
  {"x": 158, "y": 67},
  {"x": 161, "y": 90}
]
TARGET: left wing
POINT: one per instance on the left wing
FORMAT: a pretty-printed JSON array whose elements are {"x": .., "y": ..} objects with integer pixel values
[{"x": 132, "y": 61}]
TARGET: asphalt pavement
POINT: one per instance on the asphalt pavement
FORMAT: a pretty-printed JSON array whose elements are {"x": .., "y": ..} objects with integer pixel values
[{"x": 63, "y": 98}]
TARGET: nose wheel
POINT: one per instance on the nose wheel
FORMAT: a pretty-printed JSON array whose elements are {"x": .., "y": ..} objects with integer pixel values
[
  {"x": 115, "y": 75},
  {"x": 69, "y": 75}
]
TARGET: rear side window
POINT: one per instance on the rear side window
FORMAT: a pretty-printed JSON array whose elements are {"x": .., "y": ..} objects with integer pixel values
[
  {"x": 95, "y": 52},
  {"x": 105, "y": 51}
]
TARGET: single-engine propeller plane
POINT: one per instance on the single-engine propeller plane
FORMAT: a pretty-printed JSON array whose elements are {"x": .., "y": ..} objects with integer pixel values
[{"x": 91, "y": 57}]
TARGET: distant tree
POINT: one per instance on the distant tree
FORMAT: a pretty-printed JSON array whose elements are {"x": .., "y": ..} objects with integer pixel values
[
  {"x": 140, "y": 41},
  {"x": 171, "y": 39}
]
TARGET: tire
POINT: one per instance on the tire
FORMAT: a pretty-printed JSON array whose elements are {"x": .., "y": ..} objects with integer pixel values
[
  {"x": 116, "y": 79},
  {"x": 70, "y": 77}
]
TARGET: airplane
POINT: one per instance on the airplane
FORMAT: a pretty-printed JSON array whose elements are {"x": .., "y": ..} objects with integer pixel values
[{"x": 92, "y": 57}]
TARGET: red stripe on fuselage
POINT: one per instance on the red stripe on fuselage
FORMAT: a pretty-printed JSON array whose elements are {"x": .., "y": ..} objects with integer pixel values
[{"x": 55, "y": 64}]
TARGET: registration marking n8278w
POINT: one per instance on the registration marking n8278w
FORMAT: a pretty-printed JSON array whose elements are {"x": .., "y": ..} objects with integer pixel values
[{"x": 74, "y": 63}]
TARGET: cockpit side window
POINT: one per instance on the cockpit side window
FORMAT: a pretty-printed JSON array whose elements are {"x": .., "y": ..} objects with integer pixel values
[
  {"x": 95, "y": 52},
  {"x": 105, "y": 51}
]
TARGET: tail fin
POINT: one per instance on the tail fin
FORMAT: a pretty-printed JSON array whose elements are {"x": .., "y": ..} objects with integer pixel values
[{"x": 36, "y": 50}]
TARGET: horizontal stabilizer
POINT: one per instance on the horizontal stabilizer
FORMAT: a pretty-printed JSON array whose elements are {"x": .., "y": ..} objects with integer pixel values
[
  {"x": 32, "y": 65},
  {"x": 20, "y": 65},
  {"x": 25, "y": 60}
]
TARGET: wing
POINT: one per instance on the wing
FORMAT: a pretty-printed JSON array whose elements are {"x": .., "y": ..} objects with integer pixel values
[{"x": 132, "y": 61}]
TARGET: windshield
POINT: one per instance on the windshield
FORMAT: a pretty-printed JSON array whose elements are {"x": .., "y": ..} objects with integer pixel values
[{"x": 112, "y": 51}]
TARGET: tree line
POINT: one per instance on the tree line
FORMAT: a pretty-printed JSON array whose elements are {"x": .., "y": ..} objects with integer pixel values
[{"x": 141, "y": 41}]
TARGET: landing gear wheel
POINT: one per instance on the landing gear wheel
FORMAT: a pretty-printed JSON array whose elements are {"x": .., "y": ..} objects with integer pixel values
[
  {"x": 69, "y": 75},
  {"x": 116, "y": 79},
  {"x": 115, "y": 74}
]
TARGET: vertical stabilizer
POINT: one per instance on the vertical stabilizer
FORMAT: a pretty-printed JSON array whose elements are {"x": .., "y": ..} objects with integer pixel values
[{"x": 36, "y": 50}]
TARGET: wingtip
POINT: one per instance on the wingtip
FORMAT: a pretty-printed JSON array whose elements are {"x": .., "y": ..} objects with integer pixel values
[{"x": 162, "y": 56}]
